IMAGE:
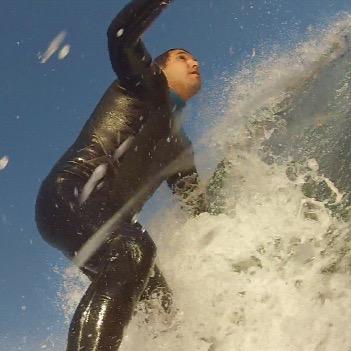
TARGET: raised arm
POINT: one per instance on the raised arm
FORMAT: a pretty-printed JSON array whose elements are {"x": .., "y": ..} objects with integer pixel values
[{"x": 129, "y": 57}]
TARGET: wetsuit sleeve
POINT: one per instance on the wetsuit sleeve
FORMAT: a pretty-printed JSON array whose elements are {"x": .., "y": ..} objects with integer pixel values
[
  {"x": 184, "y": 182},
  {"x": 129, "y": 57}
]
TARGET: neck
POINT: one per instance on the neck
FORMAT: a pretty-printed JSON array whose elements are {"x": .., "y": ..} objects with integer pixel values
[
  {"x": 185, "y": 97},
  {"x": 181, "y": 93},
  {"x": 176, "y": 100}
]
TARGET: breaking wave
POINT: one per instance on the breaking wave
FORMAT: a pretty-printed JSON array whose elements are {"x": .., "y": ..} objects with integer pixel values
[{"x": 270, "y": 268}]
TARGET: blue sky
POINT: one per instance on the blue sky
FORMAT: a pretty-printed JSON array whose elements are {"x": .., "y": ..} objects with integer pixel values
[{"x": 43, "y": 107}]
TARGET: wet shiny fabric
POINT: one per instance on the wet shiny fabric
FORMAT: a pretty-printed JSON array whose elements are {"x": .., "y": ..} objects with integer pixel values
[
  {"x": 109, "y": 302},
  {"x": 135, "y": 111}
]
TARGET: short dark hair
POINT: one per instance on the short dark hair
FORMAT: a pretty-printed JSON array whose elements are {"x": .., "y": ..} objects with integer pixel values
[{"x": 162, "y": 59}]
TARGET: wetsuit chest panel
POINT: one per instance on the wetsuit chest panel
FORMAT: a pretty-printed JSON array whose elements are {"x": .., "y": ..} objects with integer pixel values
[{"x": 118, "y": 116}]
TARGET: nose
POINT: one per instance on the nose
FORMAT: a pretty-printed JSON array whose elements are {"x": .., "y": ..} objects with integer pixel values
[{"x": 194, "y": 64}]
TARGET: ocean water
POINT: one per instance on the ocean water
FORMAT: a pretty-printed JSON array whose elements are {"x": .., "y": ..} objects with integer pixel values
[{"x": 271, "y": 270}]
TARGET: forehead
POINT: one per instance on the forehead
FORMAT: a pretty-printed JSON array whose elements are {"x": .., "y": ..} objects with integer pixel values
[{"x": 182, "y": 52}]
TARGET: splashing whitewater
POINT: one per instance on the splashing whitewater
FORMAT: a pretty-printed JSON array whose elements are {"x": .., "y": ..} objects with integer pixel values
[{"x": 273, "y": 271}]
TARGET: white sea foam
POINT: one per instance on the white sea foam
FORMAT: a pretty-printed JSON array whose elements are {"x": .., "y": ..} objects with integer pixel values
[
  {"x": 271, "y": 80},
  {"x": 253, "y": 281}
]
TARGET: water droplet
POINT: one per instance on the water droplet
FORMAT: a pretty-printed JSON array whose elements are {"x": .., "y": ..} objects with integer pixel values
[
  {"x": 135, "y": 218},
  {"x": 3, "y": 162},
  {"x": 94, "y": 179},
  {"x": 53, "y": 47},
  {"x": 63, "y": 53},
  {"x": 120, "y": 32},
  {"x": 100, "y": 185}
]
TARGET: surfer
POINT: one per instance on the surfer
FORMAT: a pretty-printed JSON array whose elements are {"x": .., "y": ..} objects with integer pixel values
[{"x": 132, "y": 142}]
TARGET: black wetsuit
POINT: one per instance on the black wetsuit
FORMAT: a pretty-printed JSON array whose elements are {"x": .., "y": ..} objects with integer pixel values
[{"x": 128, "y": 146}]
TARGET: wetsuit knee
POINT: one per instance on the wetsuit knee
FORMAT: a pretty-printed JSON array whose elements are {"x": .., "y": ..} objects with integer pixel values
[
  {"x": 133, "y": 255},
  {"x": 142, "y": 252},
  {"x": 127, "y": 270}
]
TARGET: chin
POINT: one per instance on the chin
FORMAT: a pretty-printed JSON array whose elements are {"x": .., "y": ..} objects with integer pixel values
[
  {"x": 196, "y": 87},
  {"x": 192, "y": 92}
]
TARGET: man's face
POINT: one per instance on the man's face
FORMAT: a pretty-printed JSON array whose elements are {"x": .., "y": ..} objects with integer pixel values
[{"x": 182, "y": 72}]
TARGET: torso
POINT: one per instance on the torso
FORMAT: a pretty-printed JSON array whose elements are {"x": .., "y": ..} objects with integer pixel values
[{"x": 117, "y": 117}]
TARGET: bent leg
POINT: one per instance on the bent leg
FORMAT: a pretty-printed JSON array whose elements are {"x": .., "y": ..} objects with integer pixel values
[{"x": 109, "y": 302}]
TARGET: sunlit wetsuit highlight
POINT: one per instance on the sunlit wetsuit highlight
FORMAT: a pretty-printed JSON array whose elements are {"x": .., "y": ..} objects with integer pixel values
[{"x": 131, "y": 138}]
